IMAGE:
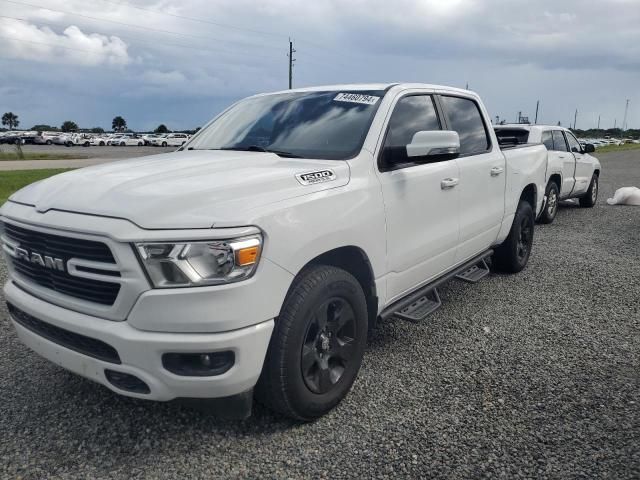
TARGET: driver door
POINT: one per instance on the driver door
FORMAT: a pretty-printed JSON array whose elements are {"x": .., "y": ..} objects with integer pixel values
[
  {"x": 584, "y": 168},
  {"x": 421, "y": 211}
]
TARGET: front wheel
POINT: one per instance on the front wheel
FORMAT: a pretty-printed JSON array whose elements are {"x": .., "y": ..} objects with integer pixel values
[
  {"x": 317, "y": 344},
  {"x": 551, "y": 207},
  {"x": 591, "y": 197},
  {"x": 513, "y": 254},
  {"x": 49, "y": 142},
  {"x": 164, "y": 144}
]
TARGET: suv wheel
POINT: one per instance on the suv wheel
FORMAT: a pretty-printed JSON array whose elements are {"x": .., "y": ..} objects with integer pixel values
[
  {"x": 317, "y": 345},
  {"x": 551, "y": 207},
  {"x": 591, "y": 197},
  {"x": 164, "y": 144},
  {"x": 513, "y": 254}
]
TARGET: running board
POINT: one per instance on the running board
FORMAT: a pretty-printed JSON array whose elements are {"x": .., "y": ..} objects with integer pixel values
[
  {"x": 474, "y": 273},
  {"x": 419, "y": 304},
  {"x": 421, "y": 308}
]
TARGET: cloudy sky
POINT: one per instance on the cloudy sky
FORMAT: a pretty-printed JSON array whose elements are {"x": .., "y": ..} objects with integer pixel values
[{"x": 179, "y": 62}]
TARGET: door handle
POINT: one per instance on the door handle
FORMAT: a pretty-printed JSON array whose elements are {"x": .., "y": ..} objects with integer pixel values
[
  {"x": 561, "y": 156},
  {"x": 495, "y": 171},
  {"x": 448, "y": 183}
]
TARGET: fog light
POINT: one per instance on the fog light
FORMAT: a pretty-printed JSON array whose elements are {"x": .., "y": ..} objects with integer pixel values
[{"x": 205, "y": 364}]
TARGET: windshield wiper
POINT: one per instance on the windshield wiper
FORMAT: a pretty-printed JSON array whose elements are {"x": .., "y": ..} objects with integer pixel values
[{"x": 258, "y": 148}]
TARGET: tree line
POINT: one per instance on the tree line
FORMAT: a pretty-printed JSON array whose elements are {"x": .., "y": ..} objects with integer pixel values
[{"x": 118, "y": 124}]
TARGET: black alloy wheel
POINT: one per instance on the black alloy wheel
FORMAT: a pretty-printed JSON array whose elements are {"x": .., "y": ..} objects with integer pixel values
[{"x": 329, "y": 345}]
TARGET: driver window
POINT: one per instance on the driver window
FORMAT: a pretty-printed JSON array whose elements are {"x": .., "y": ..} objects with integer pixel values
[
  {"x": 411, "y": 114},
  {"x": 574, "y": 145}
]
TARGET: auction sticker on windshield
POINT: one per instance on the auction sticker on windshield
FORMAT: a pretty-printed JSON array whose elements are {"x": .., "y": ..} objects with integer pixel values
[{"x": 356, "y": 98}]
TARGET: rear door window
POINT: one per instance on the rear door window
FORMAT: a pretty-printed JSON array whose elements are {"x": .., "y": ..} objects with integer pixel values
[
  {"x": 547, "y": 140},
  {"x": 559, "y": 143},
  {"x": 465, "y": 118}
]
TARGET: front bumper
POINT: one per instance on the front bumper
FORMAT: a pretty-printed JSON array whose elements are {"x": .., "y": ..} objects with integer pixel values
[{"x": 141, "y": 352}]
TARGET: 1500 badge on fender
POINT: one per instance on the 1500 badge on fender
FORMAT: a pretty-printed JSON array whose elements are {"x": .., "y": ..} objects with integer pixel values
[{"x": 316, "y": 177}]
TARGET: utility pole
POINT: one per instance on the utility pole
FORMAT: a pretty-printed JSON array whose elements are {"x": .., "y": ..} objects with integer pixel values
[
  {"x": 624, "y": 123},
  {"x": 291, "y": 60},
  {"x": 537, "y": 106},
  {"x": 575, "y": 119},
  {"x": 519, "y": 117},
  {"x": 598, "y": 122}
]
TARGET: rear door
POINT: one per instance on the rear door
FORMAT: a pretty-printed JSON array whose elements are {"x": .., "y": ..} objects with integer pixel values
[
  {"x": 482, "y": 176},
  {"x": 584, "y": 167},
  {"x": 561, "y": 151},
  {"x": 421, "y": 212}
]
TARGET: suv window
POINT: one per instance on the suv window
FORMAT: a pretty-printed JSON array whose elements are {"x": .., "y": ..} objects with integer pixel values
[
  {"x": 574, "y": 145},
  {"x": 414, "y": 113},
  {"x": 559, "y": 143},
  {"x": 465, "y": 118},
  {"x": 547, "y": 139}
]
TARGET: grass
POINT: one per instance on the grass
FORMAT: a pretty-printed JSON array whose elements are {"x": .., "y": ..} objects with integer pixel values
[
  {"x": 13, "y": 180},
  {"x": 4, "y": 156},
  {"x": 618, "y": 148}
]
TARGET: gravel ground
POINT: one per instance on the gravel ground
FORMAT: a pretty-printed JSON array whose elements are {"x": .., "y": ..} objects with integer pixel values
[{"x": 533, "y": 375}]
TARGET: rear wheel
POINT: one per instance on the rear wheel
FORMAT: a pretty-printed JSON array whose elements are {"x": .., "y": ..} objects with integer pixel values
[
  {"x": 551, "y": 207},
  {"x": 140, "y": 144},
  {"x": 317, "y": 345},
  {"x": 122, "y": 144},
  {"x": 513, "y": 254},
  {"x": 164, "y": 144},
  {"x": 591, "y": 197},
  {"x": 49, "y": 142}
]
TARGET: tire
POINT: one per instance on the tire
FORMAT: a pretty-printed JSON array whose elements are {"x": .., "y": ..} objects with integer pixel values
[
  {"x": 122, "y": 144},
  {"x": 49, "y": 142},
  {"x": 164, "y": 144},
  {"x": 140, "y": 144},
  {"x": 86, "y": 144},
  {"x": 551, "y": 207},
  {"x": 102, "y": 144},
  {"x": 308, "y": 370},
  {"x": 513, "y": 254},
  {"x": 591, "y": 197}
]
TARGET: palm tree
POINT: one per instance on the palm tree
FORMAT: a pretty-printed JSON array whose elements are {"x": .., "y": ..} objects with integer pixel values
[
  {"x": 10, "y": 119},
  {"x": 119, "y": 124},
  {"x": 162, "y": 128}
]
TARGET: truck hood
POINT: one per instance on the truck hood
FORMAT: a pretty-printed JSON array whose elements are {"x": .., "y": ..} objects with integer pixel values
[{"x": 187, "y": 189}]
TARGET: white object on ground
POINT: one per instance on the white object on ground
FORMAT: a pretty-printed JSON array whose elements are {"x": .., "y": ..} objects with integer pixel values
[{"x": 625, "y": 196}]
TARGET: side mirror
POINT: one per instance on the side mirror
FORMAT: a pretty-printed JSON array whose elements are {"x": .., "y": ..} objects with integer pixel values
[
  {"x": 434, "y": 145},
  {"x": 589, "y": 148}
]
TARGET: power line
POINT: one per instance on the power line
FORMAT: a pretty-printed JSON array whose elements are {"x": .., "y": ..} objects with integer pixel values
[
  {"x": 116, "y": 22},
  {"x": 143, "y": 42},
  {"x": 193, "y": 19}
]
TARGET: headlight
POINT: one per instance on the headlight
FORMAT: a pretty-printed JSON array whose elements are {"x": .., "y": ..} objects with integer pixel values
[{"x": 194, "y": 264}]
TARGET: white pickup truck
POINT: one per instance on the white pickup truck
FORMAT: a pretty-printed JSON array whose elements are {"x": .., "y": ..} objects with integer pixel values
[
  {"x": 261, "y": 252},
  {"x": 571, "y": 171}
]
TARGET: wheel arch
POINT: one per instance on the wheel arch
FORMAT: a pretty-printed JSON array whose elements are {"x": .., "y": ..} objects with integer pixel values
[
  {"x": 355, "y": 261},
  {"x": 530, "y": 194},
  {"x": 557, "y": 179}
]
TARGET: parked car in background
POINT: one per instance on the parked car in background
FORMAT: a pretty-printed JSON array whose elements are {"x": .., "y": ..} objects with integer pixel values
[
  {"x": 127, "y": 139},
  {"x": 45, "y": 138},
  {"x": 62, "y": 139},
  {"x": 171, "y": 140},
  {"x": 149, "y": 137},
  {"x": 571, "y": 171}
]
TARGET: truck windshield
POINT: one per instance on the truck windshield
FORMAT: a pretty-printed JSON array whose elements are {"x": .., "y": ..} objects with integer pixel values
[{"x": 324, "y": 125}]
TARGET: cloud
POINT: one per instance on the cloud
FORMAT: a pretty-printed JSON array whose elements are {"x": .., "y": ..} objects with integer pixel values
[{"x": 29, "y": 42}]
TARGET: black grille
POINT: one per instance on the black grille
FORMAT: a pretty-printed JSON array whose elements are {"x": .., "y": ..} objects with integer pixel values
[
  {"x": 57, "y": 246},
  {"x": 73, "y": 341}
]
